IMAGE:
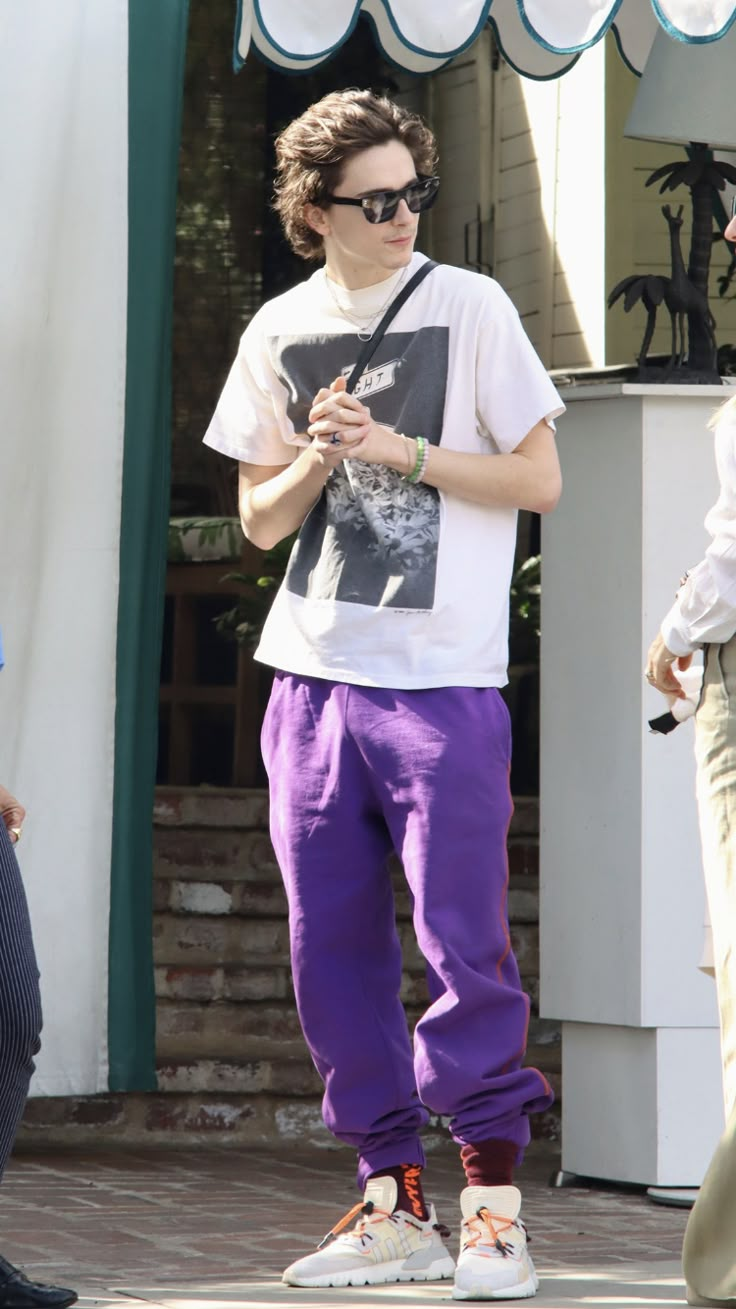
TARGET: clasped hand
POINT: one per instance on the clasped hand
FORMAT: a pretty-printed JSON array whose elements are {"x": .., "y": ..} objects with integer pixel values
[{"x": 335, "y": 413}]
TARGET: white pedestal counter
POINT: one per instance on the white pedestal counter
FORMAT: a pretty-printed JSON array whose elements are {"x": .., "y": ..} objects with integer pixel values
[{"x": 622, "y": 897}]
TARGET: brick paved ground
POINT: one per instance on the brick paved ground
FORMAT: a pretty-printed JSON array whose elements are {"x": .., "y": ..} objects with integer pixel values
[{"x": 199, "y": 1229}]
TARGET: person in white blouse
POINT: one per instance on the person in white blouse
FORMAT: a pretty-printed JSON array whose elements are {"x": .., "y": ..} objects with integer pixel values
[{"x": 704, "y": 614}]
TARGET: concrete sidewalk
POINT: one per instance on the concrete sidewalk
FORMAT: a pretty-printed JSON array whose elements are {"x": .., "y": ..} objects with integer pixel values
[{"x": 196, "y": 1230}]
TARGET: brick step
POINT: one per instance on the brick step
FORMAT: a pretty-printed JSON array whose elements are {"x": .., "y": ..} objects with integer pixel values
[
  {"x": 224, "y": 939},
  {"x": 218, "y": 940},
  {"x": 274, "y": 1071},
  {"x": 139, "y": 1119},
  {"x": 280, "y": 1068},
  {"x": 273, "y": 1068},
  {"x": 218, "y": 896},
  {"x": 269, "y": 980},
  {"x": 223, "y": 807},
  {"x": 195, "y": 1030},
  {"x": 210, "y": 807},
  {"x": 215, "y": 895},
  {"x": 221, "y": 1028},
  {"x": 204, "y": 854},
  {"x": 243, "y": 866},
  {"x": 230, "y": 855},
  {"x": 176, "y": 1120}
]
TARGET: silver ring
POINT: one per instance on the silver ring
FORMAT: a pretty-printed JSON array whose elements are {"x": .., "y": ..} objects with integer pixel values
[
  {"x": 335, "y": 439},
  {"x": 649, "y": 677}
]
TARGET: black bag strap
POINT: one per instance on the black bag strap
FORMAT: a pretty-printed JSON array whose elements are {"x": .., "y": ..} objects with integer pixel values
[{"x": 370, "y": 346}]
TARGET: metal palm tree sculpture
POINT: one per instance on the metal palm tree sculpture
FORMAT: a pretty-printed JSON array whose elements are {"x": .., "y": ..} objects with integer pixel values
[
  {"x": 650, "y": 288},
  {"x": 704, "y": 176}
]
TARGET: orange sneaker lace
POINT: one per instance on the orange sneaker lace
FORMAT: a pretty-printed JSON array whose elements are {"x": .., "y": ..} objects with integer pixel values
[
  {"x": 485, "y": 1222},
  {"x": 364, "y": 1207}
]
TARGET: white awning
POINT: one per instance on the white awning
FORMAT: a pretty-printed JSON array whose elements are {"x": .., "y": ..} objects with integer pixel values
[{"x": 539, "y": 38}]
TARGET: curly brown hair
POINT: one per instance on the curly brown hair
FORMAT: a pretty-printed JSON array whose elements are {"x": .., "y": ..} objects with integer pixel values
[{"x": 313, "y": 150}]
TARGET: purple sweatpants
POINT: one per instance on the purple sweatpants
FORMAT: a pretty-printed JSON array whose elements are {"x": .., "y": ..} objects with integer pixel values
[{"x": 355, "y": 772}]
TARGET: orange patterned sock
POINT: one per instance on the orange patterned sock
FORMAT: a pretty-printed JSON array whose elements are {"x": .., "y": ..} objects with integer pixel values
[{"x": 410, "y": 1199}]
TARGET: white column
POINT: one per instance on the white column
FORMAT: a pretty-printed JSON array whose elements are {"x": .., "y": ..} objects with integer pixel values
[{"x": 621, "y": 881}]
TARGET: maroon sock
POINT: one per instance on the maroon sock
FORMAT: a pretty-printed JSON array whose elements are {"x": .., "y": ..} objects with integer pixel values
[
  {"x": 489, "y": 1163},
  {"x": 410, "y": 1198}
]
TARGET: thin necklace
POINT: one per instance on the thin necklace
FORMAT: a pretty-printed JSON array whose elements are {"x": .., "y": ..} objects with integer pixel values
[{"x": 365, "y": 330}]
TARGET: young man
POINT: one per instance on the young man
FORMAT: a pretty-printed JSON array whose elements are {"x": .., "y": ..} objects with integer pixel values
[{"x": 386, "y": 729}]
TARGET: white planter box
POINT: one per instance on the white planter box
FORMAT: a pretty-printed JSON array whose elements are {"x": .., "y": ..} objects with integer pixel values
[{"x": 622, "y": 898}]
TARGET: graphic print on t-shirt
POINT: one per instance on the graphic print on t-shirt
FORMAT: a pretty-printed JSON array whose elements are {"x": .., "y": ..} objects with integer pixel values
[{"x": 372, "y": 537}]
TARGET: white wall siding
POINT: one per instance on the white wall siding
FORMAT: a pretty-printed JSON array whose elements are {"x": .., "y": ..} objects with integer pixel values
[
  {"x": 549, "y": 174},
  {"x": 460, "y": 106}
]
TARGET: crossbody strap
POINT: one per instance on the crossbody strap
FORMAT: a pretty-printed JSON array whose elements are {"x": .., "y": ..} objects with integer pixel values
[{"x": 372, "y": 345}]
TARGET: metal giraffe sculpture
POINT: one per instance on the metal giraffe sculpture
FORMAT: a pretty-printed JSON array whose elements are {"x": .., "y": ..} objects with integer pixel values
[
  {"x": 684, "y": 298},
  {"x": 681, "y": 298}
]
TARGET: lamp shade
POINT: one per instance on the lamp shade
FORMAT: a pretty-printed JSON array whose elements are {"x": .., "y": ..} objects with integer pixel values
[{"x": 687, "y": 93}]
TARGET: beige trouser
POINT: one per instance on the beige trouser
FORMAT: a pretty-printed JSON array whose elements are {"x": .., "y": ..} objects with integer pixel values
[{"x": 709, "y": 1251}]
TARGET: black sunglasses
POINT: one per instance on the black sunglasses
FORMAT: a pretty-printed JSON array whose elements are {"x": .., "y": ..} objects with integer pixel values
[{"x": 380, "y": 206}]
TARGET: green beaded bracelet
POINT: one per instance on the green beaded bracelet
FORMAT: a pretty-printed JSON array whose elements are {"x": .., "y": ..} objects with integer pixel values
[{"x": 418, "y": 468}]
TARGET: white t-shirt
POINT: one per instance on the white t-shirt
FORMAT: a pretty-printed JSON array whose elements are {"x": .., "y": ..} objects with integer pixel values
[{"x": 391, "y": 584}]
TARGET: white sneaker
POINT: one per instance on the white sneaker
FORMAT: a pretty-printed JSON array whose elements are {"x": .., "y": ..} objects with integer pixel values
[
  {"x": 494, "y": 1262},
  {"x": 384, "y": 1246}
]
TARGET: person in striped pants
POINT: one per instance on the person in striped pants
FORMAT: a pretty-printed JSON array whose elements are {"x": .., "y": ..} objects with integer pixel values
[{"x": 20, "y": 1025}]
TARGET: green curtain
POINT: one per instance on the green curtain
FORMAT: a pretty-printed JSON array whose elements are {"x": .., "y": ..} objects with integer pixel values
[{"x": 157, "y": 40}]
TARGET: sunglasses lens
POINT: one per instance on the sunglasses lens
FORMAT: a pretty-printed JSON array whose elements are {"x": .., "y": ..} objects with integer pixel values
[
  {"x": 421, "y": 195},
  {"x": 382, "y": 206}
]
